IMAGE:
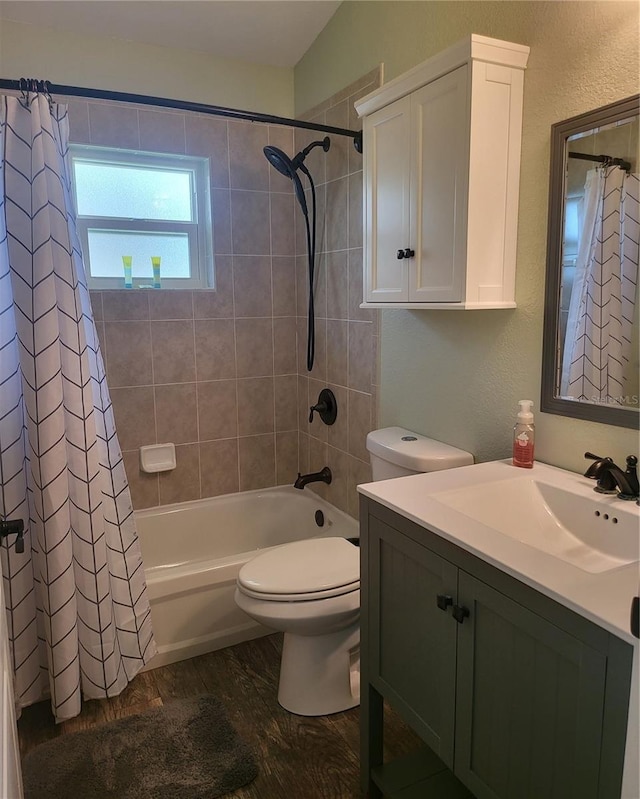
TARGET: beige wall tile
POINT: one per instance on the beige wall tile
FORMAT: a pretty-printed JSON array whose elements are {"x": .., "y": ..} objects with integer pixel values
[
  {"x": 319, "y": 371},
  {"x": 78, "y": 121},
  {"x": 215, "y": 349},
  {"x": 286, "y": 457},
  {"x": 338, "y": 432},
  {"x": 282, "y": 224},
  {"x": 207, "y": 136},
  {"x": 216, "y": 303},
  {"x": 356, "y": 293},
  {"x": 122, "y": 305},
  {"x": 171, "y": 304},
  {"x": 257, "y": 462},
  {"x": 217, "y": 410},
  {"x": 336, "y": 214},
  {"x": 134, "y": 412},
  {"x": 338, "y": 491},
  {"x": 144, "y": 488},
  {"x": 255, "y": 406},
  {"x": 183, "y": 483},
  {"x": 284, "y": 345},
  {"x": 221, "y": 214},
  {"x": 176, "y": 413},
  {"x": 249, "y": 169},
  {"x": 360, "y": 343},
  {"x": 252, "y": 285},
  {"x": 337, "y": 272},
  {"x": 283, "y": 275},
  {"x": 114, "y": 125},
  {"x": 359, "y": 423},
  {"x": 96, "y": 305},
  {"x": 162, "y": 131},
  {"x": 128, "y": 353},
  {"x": 219, "y": 467},
  {"x": 337, "y": 351},
  {"x": 355, "y": 210},
  {"x": 286, "y": 402},
  {"x": 254, "y": 347},
  {"x": 250, "y": 223},
  {"x": 303, "y": 453},
  {"x": 173, "y": 352}
]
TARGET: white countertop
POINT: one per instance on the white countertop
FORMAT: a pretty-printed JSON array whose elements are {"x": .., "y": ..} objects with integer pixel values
[{"x": 604, "y": 597}]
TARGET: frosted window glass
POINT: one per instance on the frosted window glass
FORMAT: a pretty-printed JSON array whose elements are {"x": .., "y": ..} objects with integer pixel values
[
  {"x": 128, "y": 192},
  {"x": 106, "y": 248}
]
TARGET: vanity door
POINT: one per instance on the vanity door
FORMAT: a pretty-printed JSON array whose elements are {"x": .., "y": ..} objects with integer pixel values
[
  {"x": 530, "y": 702},
  {"x": 412, "y": 636}
]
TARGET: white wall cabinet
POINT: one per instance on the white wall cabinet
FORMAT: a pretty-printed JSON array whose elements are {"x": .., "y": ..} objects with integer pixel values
[{"x": 441, "y": 180}]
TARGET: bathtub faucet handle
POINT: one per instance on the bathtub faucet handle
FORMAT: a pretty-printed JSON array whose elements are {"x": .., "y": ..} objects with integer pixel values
[{"x": 326, "y": 407}]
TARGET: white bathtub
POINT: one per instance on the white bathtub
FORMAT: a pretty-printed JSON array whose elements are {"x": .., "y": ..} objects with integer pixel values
[{"x": 193, "y": 552}]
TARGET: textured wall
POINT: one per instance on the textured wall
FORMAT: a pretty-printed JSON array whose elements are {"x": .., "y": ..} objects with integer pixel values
[
  {"x": 107, "y": 63},
  {"x": 457, "y": 376}
]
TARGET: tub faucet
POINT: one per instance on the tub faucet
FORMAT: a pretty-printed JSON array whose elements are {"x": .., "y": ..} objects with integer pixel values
[
  {"x": 323, "y": 476},
  {"x": 611, "y": 479}
]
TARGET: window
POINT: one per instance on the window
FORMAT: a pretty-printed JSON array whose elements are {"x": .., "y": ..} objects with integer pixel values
[{"x": 141, "y": 206}]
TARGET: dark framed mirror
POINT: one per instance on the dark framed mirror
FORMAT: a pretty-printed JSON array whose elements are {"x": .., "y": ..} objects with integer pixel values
[{"x": 591, "y": 316}]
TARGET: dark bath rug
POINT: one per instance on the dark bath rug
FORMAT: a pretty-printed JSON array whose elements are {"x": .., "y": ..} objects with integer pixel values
[{"x": 186, "y": 749}]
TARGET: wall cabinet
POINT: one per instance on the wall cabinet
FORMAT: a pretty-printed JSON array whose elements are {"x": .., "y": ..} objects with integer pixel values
[
  {"x": 515, "y": 696},
  {"x": 441, "y": 180}
]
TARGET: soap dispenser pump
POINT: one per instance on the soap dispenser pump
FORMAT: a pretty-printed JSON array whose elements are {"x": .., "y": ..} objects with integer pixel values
[{"x": 523, "y": 436}]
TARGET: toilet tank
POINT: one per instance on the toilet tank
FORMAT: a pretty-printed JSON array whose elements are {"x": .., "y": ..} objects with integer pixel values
[{"x": 396, "y": 452}]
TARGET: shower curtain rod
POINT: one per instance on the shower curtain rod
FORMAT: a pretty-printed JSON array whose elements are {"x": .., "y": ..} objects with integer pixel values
[
  {"x": 30, "y": 84},
  {"x": 603, "y": 159}
]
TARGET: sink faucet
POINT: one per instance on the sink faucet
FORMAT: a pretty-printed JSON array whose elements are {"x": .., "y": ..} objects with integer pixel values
[
  {"x": 610, "y": 479},
  {"x": 323, "y": 476}
]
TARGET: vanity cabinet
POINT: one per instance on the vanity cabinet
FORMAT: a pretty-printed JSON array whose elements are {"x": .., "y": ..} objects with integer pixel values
[
  {"x": 441, "y": 180},
  {"x": 515, "y": 696}
]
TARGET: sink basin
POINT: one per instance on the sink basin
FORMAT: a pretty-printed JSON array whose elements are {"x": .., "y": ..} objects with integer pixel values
[{"x": 593, "y": 532}]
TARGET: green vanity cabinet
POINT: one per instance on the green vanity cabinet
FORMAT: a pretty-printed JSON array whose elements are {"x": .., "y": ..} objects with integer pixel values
[{"x": 515, "y": 696}]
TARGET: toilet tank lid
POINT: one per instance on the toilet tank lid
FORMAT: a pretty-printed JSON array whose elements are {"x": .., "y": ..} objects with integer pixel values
[{"x": 415, "y": 452}]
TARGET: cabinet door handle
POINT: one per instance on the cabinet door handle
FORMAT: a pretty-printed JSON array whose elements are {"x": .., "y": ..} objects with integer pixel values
[
  {"x": 406, "y": 253},
  {"x": 400, "y": 255},
  {"x": 444, "y": 601},
  {"x": 460, "y": 613}
]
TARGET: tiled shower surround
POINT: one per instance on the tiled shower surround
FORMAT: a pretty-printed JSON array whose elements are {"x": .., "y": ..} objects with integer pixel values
[{"x": 222, "y": 373}]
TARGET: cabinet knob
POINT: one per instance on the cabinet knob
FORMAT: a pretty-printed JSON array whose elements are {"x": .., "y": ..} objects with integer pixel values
[
  {"x": 406, "y": 253},
  {"x": 460, "y": 613},
  {"x": 444, "y": 601}
]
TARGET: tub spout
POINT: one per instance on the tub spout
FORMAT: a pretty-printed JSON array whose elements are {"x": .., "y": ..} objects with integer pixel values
[{"x": 323, "y": 476}]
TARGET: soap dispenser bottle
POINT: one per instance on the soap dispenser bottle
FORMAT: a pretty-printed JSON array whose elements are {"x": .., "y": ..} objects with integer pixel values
[{"x": 523, "y": 436}]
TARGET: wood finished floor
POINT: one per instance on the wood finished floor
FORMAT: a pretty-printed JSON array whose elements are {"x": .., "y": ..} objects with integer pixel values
[{"x": 298, "y": 757}]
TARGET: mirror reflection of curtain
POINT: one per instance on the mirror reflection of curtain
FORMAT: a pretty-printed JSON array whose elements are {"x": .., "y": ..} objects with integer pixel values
[{"x": 598, "y": 335}]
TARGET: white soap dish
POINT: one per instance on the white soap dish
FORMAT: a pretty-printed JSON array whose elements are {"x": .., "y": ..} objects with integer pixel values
[{"x": 158, "y": 458}]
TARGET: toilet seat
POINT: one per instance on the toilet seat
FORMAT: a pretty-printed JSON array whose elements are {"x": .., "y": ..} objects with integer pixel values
[{"x": 316, "y": 568}]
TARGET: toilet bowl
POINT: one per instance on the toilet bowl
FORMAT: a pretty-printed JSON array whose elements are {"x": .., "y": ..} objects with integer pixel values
[{"x": 310, "y": 590}]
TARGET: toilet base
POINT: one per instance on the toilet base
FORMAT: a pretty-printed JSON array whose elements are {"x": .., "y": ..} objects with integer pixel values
[{"x": 315, "y": 672}]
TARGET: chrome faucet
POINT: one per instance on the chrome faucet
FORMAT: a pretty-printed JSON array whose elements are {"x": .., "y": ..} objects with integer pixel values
[
  {"x": 610, "y": 479},
  {"x": 323, "y": 476}
]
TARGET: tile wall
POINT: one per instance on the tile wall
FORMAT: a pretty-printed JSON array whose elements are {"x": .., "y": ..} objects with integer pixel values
[
  {"x": 346, "y": 335},
  {"x": 222, "y": 373}
]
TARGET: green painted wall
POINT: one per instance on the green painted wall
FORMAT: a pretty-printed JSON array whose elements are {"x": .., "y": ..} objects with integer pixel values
[
  {"x": 105, "y": 63},
  {"x": 457, "y": 376}
]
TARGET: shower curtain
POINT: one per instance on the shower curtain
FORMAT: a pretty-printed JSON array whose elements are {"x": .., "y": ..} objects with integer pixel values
[
  {"x": 77, "y": 608},
  {"x": 603, "y": 296}
]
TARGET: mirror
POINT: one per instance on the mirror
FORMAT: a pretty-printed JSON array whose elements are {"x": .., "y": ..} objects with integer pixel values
[{"x": 591, "y": 319}]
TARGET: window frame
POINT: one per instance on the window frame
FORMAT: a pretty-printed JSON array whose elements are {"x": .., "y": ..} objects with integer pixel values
[{"x": 199, "y": 230}]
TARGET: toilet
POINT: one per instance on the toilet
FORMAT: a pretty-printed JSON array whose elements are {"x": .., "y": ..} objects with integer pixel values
[{"x": 310, "y": 589}]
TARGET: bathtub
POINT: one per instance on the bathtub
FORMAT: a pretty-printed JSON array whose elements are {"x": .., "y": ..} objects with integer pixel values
[{"x": 193, "y": 551}]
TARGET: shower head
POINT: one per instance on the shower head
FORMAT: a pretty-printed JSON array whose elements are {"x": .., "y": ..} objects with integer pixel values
[{"x": 289, "y": 166}]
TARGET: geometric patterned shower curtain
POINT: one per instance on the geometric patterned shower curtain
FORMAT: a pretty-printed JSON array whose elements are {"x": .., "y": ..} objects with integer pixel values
[
  {"x": 603, "y": 296},
  {"x": 77, "y": 609}
]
